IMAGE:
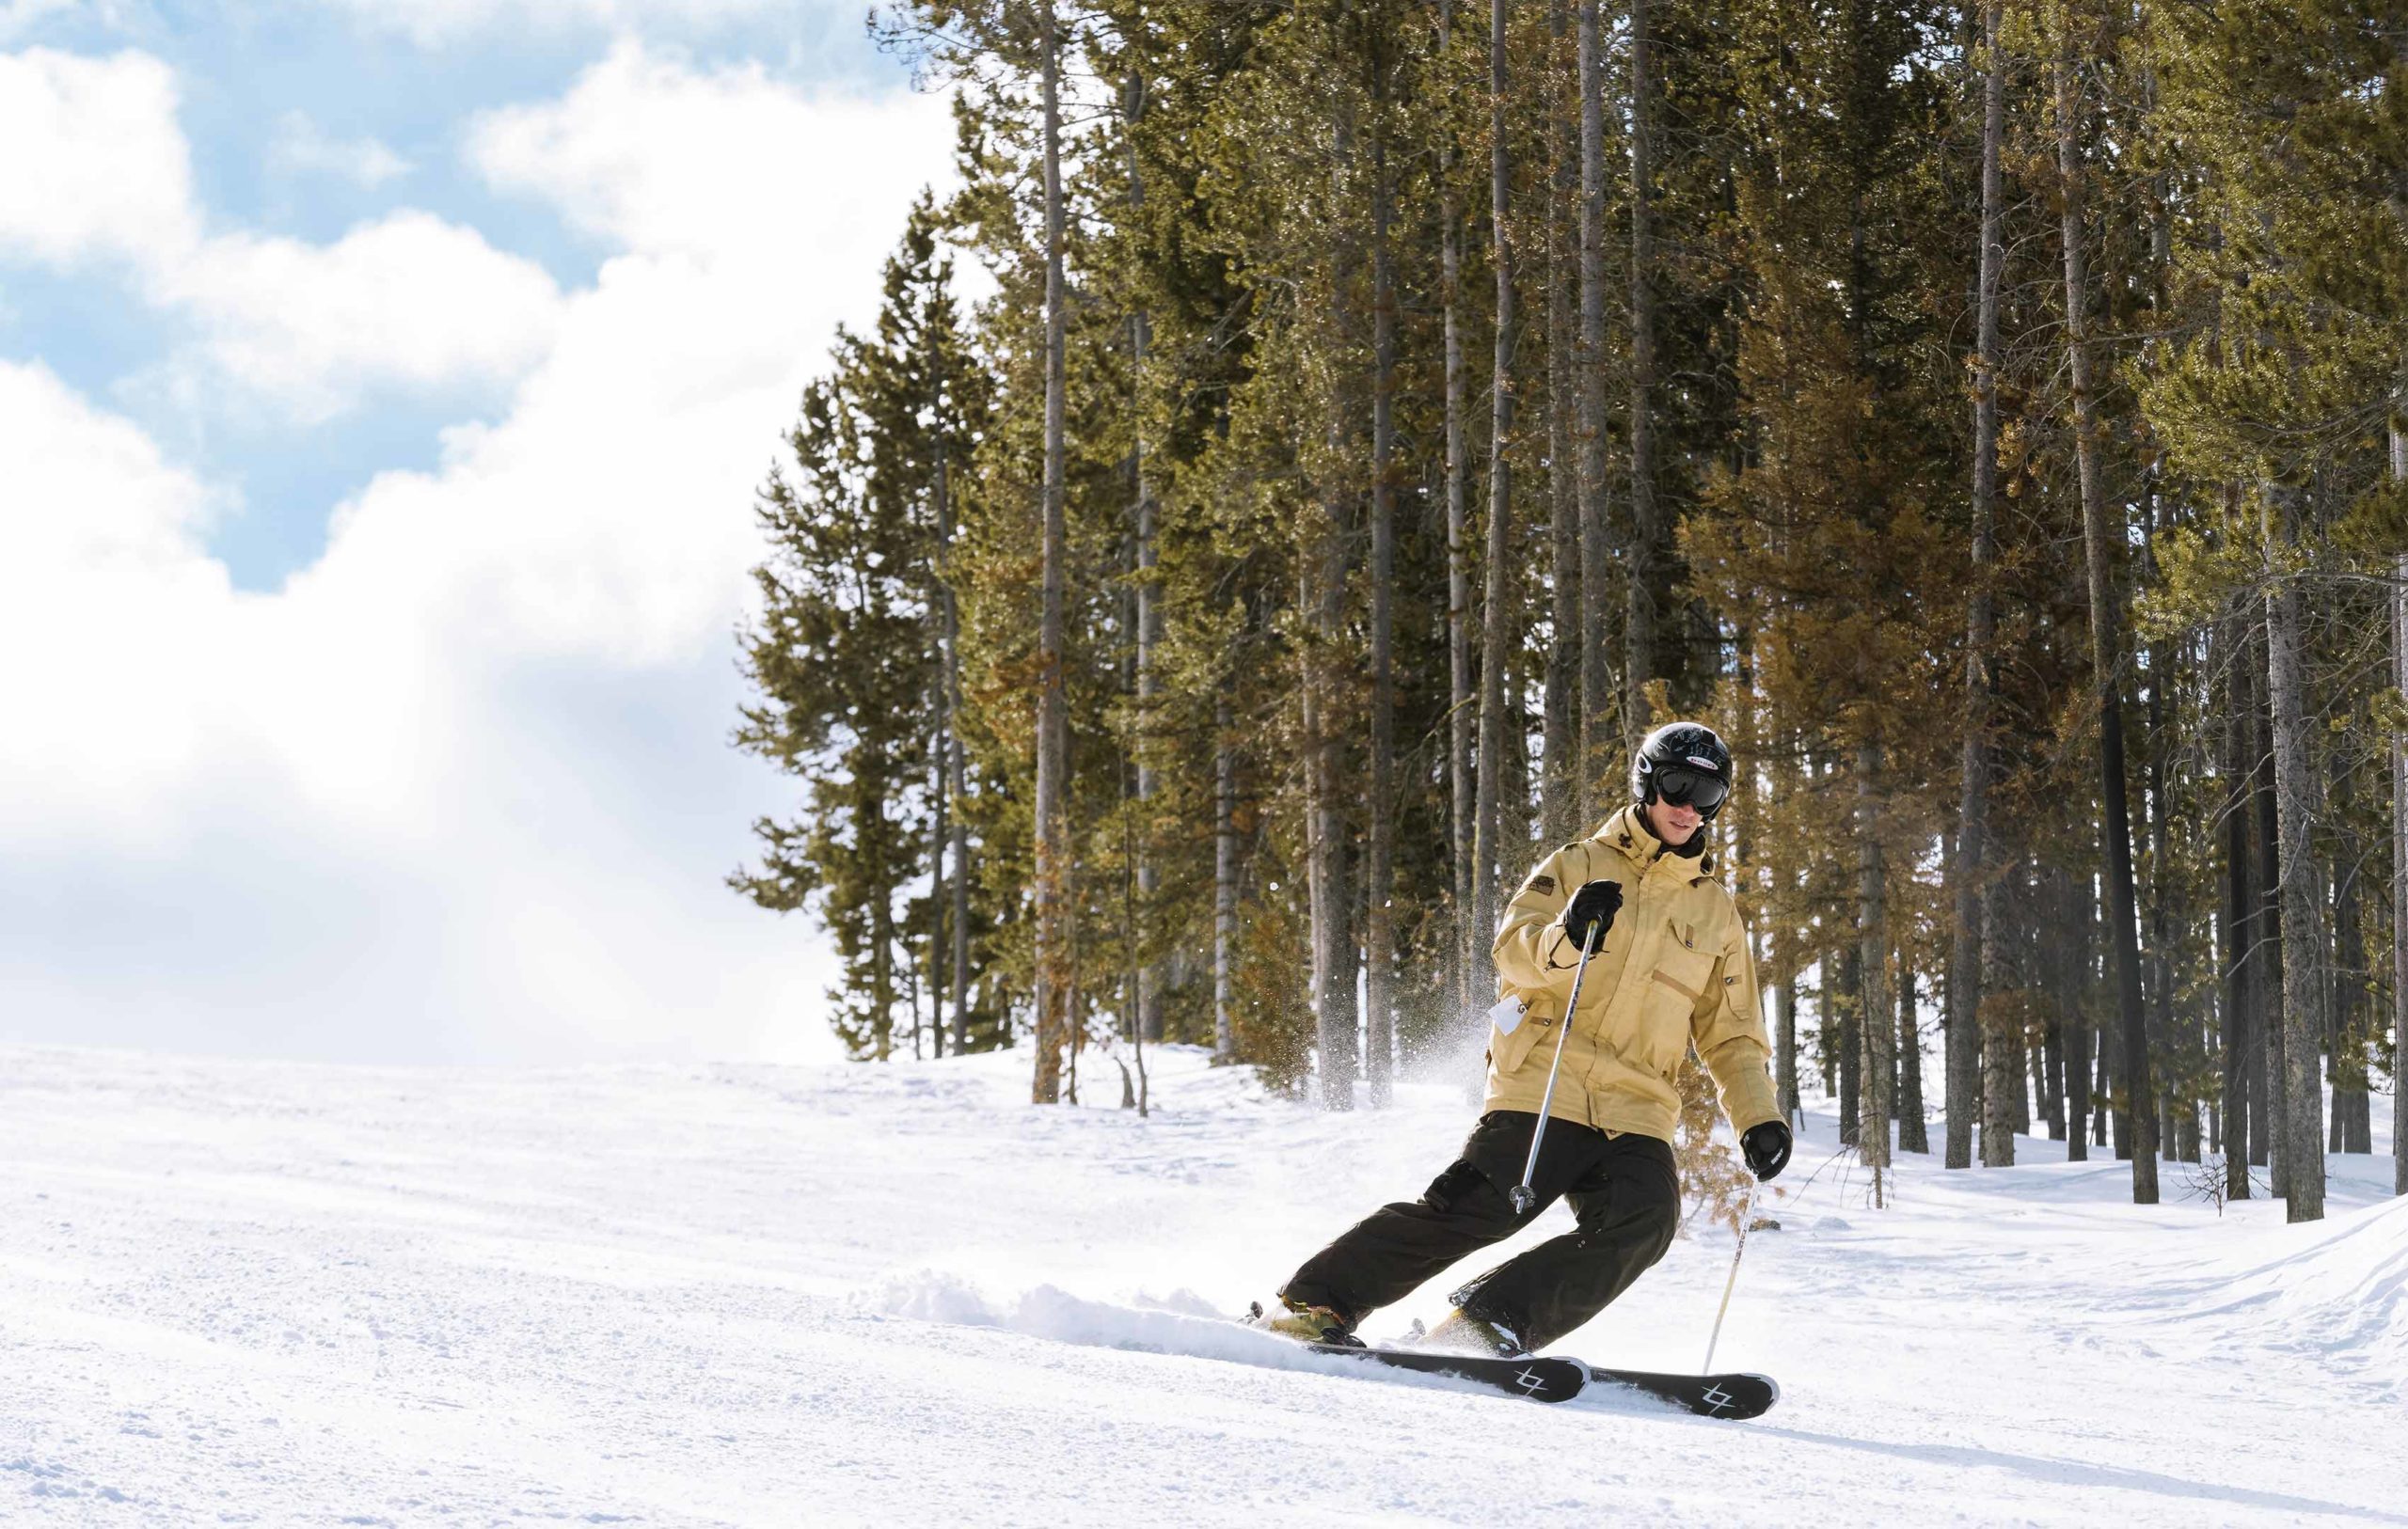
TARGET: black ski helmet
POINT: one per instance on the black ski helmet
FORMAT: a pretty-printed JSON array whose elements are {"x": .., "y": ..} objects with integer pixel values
[{"x": 1683, "y": 763}]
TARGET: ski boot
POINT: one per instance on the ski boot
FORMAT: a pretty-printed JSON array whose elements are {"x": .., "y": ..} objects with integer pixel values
[
  {"x": 1461, "y": 1332},
  {"x": 1308, "y": 1324}
]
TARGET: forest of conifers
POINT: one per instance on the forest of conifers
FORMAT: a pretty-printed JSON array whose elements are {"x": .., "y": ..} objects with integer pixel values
[{"x": 1992, "y": 419}]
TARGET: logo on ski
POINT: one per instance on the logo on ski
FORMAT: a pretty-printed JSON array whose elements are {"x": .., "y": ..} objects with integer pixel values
[
  {"x": 1531, "y": 1380},
  {"x": 1716, "y": 1398}
]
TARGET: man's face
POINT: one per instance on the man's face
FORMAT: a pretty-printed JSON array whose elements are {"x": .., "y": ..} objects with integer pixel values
[{"x": 1675, "y": 825}]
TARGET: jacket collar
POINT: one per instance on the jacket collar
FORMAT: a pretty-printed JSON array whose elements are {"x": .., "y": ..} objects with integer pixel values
[{"x": 1628, "y": 833}]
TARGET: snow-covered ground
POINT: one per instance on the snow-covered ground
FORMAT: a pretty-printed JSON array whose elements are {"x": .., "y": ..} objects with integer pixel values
[{"x": 241, "y": 1292}]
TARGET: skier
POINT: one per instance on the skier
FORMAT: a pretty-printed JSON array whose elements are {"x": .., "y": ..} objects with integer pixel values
[{"x": 1671, "y": 968}]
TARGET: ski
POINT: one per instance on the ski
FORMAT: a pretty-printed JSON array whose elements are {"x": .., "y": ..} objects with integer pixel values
[
  {"x": 1732, "y": 1395},
  {"x": 1538, "y": 1377}
]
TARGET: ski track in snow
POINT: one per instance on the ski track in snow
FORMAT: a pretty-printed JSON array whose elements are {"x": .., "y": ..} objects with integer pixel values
[{"x": 269, "y": 1293}]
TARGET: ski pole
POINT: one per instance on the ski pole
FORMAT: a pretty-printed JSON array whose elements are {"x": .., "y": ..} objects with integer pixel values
[
  {"x": 1523, "y": 1197},
  {"x": 1746, "y": 1218}
]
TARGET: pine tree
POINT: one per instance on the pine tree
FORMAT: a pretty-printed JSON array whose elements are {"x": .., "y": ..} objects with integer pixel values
[{"x": 851, "y": 687}]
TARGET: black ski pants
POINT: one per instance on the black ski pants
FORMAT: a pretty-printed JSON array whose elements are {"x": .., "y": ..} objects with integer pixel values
[{"x": 1626, "y": 1198}]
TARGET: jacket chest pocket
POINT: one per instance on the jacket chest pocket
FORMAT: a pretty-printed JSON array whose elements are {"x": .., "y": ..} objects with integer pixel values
[{"x": 1677, "y": 984}]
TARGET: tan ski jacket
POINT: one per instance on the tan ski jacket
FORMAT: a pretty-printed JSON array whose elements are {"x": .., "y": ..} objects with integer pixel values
[{"x": 1675, "y": 968}]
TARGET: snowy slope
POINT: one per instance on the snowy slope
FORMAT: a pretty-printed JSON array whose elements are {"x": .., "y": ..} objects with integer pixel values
[{"x": 239, "y": 1292}]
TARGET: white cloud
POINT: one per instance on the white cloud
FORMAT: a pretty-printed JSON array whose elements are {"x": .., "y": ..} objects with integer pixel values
[
  {"x": 98, "y": 168},
  {"x": 650, "y": 156},
  {"x": 462, "y": 787},
  {"x": 436, "y": 22},
  {"x": 301, "y": 147},
  {"x": 95, "y": 165},
  {"x": 109, "y": 611},
  {"x": 17, "y": 17},
  {"x": 409, "y": 301}
]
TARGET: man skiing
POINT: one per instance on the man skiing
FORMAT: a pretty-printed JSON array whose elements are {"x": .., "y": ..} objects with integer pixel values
[{"x": 1671, "y": 968}]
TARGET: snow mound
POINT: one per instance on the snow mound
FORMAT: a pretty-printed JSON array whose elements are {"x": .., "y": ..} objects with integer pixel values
[{"x": 2341, "y": 1297}]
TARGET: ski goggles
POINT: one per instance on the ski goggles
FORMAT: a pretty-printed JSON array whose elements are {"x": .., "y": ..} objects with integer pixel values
[{"x": 1684, "y": 787}]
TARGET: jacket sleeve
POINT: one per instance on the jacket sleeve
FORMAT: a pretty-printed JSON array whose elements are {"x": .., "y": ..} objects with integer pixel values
[
  {"x": 1729, "y": 1030},
  {"x": 1532, "y": 950}
]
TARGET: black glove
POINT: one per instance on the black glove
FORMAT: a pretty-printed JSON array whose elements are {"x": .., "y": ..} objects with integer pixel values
[
  {"x": 1766, "y": 1149},
  {"x": 1596, "y": 903}
]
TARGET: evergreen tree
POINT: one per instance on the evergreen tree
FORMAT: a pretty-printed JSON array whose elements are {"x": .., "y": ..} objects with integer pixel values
[{"x": 846, "y": 652}]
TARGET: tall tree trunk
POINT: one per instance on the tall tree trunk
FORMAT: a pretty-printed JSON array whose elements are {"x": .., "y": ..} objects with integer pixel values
[
  {"x": 882, "y": 970},
  {"x": 2046, "y": 1054},
  {"x": 2106, "y": 636},
  {"x": 2102, "y": 1087},
  {"x": 2047, "y": 1051},
  {"x": 937, "y": 908},
  {"x": 2002, "y": 1049},
  {"x": 1912, "y": 1136},
  {"x": 2067, "y": 1021},
  {"x": 1053, "y": 973},
  {"x": 1469, "y": 937},
  {"x": 2269, "y": 985},
  {"x": 1640, "y": 661},
  {"x": 1785, "y": 964},
  {"x": 1150, "y": 973},
  {"x": 957, "y": 970},
  {"x": 1498, "y": 633},
  {"x": 957, "y": 925},
  {"x": 1559, "y": 769},
  {"x": 2399, "y": 831},
  {"x": 1827, "y": 1041},
  {"x": 1879, "y": 1024},
  {"x": 1378, "y": 920},
  {"x": 1132, "y": 979},
  {"x": 2346, "y": 1051},
  {"x": 1325, "y": 899},
  {"x": 1074, "y": 1017},
  {"x": 1599, "y": 739},
  {"x": 2079, "y": 918},
  {"x": 2176, "y": 1034},
  {"x": 2235, "y": 936},
  {"x": 1515, "y": 822},
  {"x": 1784, "y": 1005},
  {"x": 2170, "y": 1133},
  {"x": 2302, "y": 1027},
  {"x": 1333, "y": 948},
  {"x": 912, "y": 998},
  {"x": 2177, "y": 1132},
  {"x": 1851, "y": 1045},
  {"x": 1972, "y": 812},
  {"x": 1224, "y": 880}
]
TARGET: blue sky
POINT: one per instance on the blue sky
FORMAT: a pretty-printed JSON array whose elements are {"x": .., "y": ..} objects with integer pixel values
[
  {"x": 382, "y": 390},
  {"x": 253, "y": 81}
]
